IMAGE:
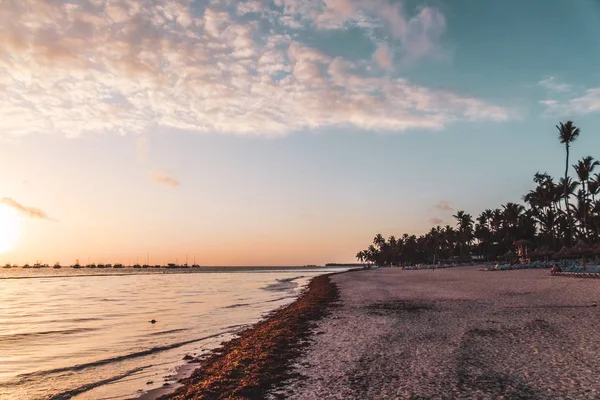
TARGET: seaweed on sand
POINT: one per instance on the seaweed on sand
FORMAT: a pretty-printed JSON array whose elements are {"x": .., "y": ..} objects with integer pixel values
[{"x": 259, "y": 358}]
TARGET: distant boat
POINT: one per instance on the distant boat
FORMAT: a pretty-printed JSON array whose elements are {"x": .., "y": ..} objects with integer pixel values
[
  {"x": 145, "y": 266},
  {"x": 137, "y": 266},
  {"x": 37, "y": 265},
  {"x": 26, "y": 266},
  {"x": 118, "y": 266},
  {"x": 76, "y": 265},
  {"x": 57, "y": 266},
  {"x": 7, "y": 266},
  {"x": 195, "y": 266}
]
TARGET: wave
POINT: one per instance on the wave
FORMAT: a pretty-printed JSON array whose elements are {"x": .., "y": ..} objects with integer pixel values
[
  {"x": 237, "y": 305},
  {"x": 34, "y": 375},
  {"x": 290, "y": 279},
  {"x": 283, "y": 284},
  {"x": 23, "y": 336},
  {"x": 279, "y": 299},
  {"x": 81, "y": 389},
  {"x": 167, "y": 332}
]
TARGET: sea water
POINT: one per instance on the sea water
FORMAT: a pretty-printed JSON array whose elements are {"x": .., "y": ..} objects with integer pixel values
[{"x": 85, "y": 334}]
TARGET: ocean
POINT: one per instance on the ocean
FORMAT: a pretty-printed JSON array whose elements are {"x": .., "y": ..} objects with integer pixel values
[{"x": 87, "y": 334}]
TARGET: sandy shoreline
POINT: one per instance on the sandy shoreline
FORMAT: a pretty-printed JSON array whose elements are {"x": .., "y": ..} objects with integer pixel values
[
  {"x": 259, "y": 359},
  {"x": 455, "y": 333}
]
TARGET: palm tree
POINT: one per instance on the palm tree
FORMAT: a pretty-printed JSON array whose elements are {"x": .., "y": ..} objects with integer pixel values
[
  {"x": 360, "y": 256},
  {"x": 465, "y": 229},
  {"x": 584, "y": 169},
  {"x": 567, "y": 134}
]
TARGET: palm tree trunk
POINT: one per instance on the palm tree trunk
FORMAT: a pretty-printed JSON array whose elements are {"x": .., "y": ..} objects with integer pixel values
[
  {"x": 570, "y": 224},
  {"x": 585, "y": 231}
]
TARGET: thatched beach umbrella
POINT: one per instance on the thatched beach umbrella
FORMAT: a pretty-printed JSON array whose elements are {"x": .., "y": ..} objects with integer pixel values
[
  {"x": 523, "y": 243},
  {"x": 561, "y": 254},
  {"x": 509, "y": 255},
  {"x": 581, "y": 249}
]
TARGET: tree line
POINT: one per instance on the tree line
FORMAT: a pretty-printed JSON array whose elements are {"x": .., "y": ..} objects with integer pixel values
[{"x": 556, "y": 214}]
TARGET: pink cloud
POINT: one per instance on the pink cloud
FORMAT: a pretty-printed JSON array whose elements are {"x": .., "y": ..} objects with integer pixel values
[
  {"x": 444, "y": 205},
  {"x": 383, "y": 57},
  {"x": 436, "y": 221},
  {"x": 28, "y": 212},
  {"x": 164, "y": 177},
  {"x": 141, "y": 66}
]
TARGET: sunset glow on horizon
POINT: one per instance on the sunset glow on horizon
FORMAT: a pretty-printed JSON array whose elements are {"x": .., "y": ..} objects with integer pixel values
[{"x": 276, "y": 132}]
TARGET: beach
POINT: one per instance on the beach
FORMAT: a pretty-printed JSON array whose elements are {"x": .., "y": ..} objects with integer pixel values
[{"x": 456, "y": 333}]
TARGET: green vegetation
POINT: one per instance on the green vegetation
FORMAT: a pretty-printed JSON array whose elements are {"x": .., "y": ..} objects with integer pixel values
[{"x": 556, "y": 214}]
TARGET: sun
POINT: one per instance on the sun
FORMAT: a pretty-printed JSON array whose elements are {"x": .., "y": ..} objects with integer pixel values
[{"x": 10, "y": 228}]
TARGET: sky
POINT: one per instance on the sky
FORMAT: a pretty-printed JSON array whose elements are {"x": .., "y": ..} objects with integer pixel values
[{"x": 278, "y": 132}]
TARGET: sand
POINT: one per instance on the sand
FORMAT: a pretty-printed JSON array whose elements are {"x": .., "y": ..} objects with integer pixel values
[
  {"x": 455, "y": 333},
  {"x": 260, "y": 358}
]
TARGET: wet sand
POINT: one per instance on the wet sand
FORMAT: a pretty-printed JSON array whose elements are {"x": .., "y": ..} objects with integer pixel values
[{"x": 453, "y": 334}]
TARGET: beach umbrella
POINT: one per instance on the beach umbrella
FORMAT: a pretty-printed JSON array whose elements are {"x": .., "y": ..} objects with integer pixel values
[
  {"x": 522, "y": 243},
  {"x": 581, "y": 249},
  {"x": 509, "y": 255},
  {"x": 562, "y": 253}
]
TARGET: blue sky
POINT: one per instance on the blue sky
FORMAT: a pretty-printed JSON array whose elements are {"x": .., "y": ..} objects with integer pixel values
[{"x": 280, "y": 132}]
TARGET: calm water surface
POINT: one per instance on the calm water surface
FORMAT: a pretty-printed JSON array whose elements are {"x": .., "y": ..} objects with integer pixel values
[{"x": 90, "y": 337}]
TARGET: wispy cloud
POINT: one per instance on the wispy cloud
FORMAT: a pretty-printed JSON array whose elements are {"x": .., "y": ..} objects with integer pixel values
[
  {"x": 79, "y": 67},
  {"x": 164, "y": 177},
  {"x": 554, "y": 85},
  {"x": 586, "y": 103},
  {"x": 444, "y": 205},
  {"x": 436, "y": 221},
  {"x": 383, "y": 57},
  {"x": 28, "y": 212}
]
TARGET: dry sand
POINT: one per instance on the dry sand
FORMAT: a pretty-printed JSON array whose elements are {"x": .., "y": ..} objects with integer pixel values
[{"x": 454, "y": 334}]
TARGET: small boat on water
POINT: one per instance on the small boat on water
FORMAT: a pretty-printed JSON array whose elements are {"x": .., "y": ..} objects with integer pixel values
[
  {"x": 118, "y": 266},
  {"x": 26, "y": 266},
  {"x": 57, "y": 266},
  {"x": 37, "y": 265},
  {"x": 137, "y": 266},
  {"x": 7, "y": 266}
]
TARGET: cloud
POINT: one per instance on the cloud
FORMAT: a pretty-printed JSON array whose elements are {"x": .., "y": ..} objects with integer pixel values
[
  {"x": 444, "y": 205},
  {"x": 28, "y": 212},
  {"x": 75, "y": 68},
  {"x": 585, "y": 103},
  {"x": 435, "y": 221},
  {"x": 383, "y": 57},
  {"x": 164, "y": 177},
  {"x": 553, "y": 85}
]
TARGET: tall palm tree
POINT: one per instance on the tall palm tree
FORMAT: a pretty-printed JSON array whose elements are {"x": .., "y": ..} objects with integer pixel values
[
  {"x": 584, "y": 169},
  {"x": 567, "y": 134}
]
